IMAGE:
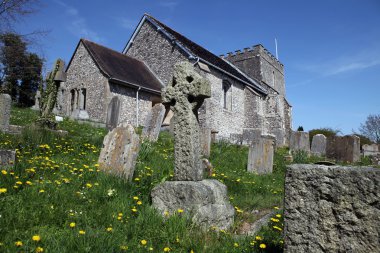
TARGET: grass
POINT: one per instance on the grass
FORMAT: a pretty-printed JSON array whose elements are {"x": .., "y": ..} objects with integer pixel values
[{"x": 57, "y": 192}]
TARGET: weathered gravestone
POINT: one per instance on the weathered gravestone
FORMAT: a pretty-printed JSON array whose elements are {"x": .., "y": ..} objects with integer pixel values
[
  {"x": 113, "y": 112},
  {"x": 37, "y": 101},
  {"x": 331, "y": 209},
  {"x": 5, "y": 112},
  {"x": 119, "y": 153},
  {"x": 343, "y": 148},
  {"x": 7, "y": 158},
  {"x": 260, "y": 156},
  {"x": 299, "y": 141},
  {"x": 205, "y": 201},
  {"x": 205, "y": 138},
  {"x": 153, "y": 122},
  {"x": 318, "y": 145},
  {"x": 370, "y": 149}
]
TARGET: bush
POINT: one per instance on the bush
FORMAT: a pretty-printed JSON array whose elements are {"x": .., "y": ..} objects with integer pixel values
[{"x": 326, "y": 131}]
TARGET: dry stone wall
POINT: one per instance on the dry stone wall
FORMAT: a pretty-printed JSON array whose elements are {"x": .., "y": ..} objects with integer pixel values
[{"x": 332, "y": 209}]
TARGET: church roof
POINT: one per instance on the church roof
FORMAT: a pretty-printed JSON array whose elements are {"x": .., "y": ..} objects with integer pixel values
[
  {"x": 122, "y": 68},
  {"x": 197, "y": 52}
]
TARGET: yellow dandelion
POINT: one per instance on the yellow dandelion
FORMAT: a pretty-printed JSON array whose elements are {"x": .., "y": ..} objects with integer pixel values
[
  {"x": 88, "y": 185},
  {"x": 137, "y": 179},
  {"x": 136, "y": 198},
  {"x": 19, "y": 182},
  {"x": 28, "y": 183},
  {"x": 41, "y": 191},
  {"x": 18, "y": 243},
  {"x": 143, "y": 242},
  {"x": 109, "y": 229},
  {"x": 166, "y": 213},
  {"x": 82, "y": 232},
  {"x": 278, "y": 215},
  {"x": 150, "y": 248},
  {"x": 134, "y": 210},
  {"x": 139, "y": 202},
  {"x": 236, "y": 244},
  {"x": 39, "y": 249},
  {"x": 167, "y": 249},
  {"x": 262, "y": 246},
  {"x": 72, "y": 224},
  {"x": 259, "y": 238},
  {"x": 123, "y": 247},
  {"x": 3, "y": 190},
  {"x": 36, "y": 238},
  {"x": 4, "y": 172},
  {"x": 180, "y": 210}
]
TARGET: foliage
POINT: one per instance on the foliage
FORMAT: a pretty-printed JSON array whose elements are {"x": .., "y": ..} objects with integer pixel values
[
  {"x": 363, "y": 139},
  {"x": 300, "y": 156},
  {"x": 56, "y": 191},
  {"x": 12, "y": 11},
  {"x": 326, "y": 131},
  {"x": 20, "y": 73},
  {"x": 371, "y": 128},
  {"x": 300, "y": 129}
]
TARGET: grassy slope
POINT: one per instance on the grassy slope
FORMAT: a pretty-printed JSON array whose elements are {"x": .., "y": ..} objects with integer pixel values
[{"x": 56, "y": 182}]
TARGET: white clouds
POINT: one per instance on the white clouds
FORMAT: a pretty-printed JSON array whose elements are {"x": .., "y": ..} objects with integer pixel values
[
  {"x": 171, "y": 4},
  {"x": 77, "y": 24}
]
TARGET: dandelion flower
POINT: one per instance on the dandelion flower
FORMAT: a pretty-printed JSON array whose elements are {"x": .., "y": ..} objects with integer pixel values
[
  {"x": 109, "y": 229},
  {"x": 41, "y": 191},
  {"x": 258, "y": 238},
  {"x": 143, "y": 242},
  {"x": 236, "y": 244},
  {"x": 82, "y": 232},
  {"x": 39, "y": 249},
  {"x": 262, "y": 246},
  {"x": 123, "y": 247},
  {"x": 18, "y": 243},
  {"x": 4, "y": 172},
  {"x": 278, "y": 215},
  {"x": 136, "y": 198},
  {"x": 88, "y": 185},
  {"x": 139, "y": 202},
  {"x": 166, "y": 249},
  {"x": 180, "y": 210},
  {"x": 3, "y": 190},
  {"x": 72, "y": 224},
  {"x": 36, "y": 238}
]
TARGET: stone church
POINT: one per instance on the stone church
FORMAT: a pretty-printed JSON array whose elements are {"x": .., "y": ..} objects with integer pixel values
[{"x": 106, "y": 86}]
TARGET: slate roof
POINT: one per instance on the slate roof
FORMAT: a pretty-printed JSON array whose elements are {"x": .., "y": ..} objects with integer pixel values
[
  {"x": 194, "y": 50},
  {"x": 122, "y": 68}
]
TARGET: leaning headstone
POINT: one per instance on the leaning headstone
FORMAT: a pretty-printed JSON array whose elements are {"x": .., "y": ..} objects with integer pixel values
[
  {"x": 318, "y": 145},
  {"x": 299, "y": 141},
  {"x": 260, "y": 156},
  {"x": 5, "y": 112},
  {"x": 119, "y": 153},
  {"x": 153, "y": 123},
  {"x": 343, "y": 148},
  {"x": 205, "y": 201},
  {"x": 7, "y": 158},
  {"x": 331, "y": 209},
  {"x": 370, "y": 149},
  {"x": 205, "y": 138}
]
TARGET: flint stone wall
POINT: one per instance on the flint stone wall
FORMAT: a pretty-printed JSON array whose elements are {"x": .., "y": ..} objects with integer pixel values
[
  {"x": 343, "y": 148},
  {"x": 119, "y": 153},
  {"x": 332, "y": 209},
  {"x": 5, "y": 111}
]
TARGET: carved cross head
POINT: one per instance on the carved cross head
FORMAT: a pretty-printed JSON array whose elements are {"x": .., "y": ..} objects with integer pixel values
[{"x": 186, "y": 87}]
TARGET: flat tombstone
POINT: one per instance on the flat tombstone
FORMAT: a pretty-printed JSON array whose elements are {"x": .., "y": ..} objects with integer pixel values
[
  {"x": 318, "y": 145},
  {"x": 299, "y": 141},
  {"x": 343, "y": 148},
  {"x": 5, "y": 111},
  {"x": 205, "y": 138},
  {"x": 119, "y": 153},
  {"x": 370, "y": 150},
  {"x": 113, "y": 112},
  {"x": 260, "y": 156},
  {"x": 185, "y": 95},
  {"x": 153, "y": 122},
  {"x": 7, "y": 158},
  {"x": 331, "y": 209}
]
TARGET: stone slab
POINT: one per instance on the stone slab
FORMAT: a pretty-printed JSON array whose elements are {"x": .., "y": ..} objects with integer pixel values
[
  {"x": 5, "y": 111},
  {"x": 7, "y": 158},
  {"x": 370, "y": 149},
  {"x": 153, "y": 123},
  {"x": 331, "y": 209},
  {"x": 205, "y": 201},
  {"x": 119, "y": 153},
  {"x": 205, "y": 139},
  {"x": 260, "y": 156},
  {"x": 343, "y": 148},
  {"x": 318, "y": 145},
  {"x": 299, "y": 141}
]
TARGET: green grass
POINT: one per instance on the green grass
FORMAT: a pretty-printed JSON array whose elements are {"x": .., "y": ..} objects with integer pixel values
[{"x": 56, "y": 182}]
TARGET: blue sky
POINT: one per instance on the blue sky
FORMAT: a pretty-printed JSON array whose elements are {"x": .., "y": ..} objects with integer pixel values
[{"x": 330, "y": 48}]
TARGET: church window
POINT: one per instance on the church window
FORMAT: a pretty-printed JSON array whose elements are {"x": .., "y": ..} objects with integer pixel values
[{"x": 226, "y": 95}]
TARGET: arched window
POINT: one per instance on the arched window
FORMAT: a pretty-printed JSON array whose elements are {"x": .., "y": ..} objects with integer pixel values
[{"x": 226, "y": 95}]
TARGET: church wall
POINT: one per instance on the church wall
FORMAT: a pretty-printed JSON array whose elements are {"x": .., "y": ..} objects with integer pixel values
[
  {"x": 84, "y": 74},
  {"x": 153, "y": 48},
  {"x": 128, "y": 106}
]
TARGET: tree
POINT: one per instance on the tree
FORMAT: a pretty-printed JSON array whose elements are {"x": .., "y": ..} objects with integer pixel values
[
  {"x": 326, "y": 131},
  {"x": 12, "y": 11},
  {"x": 371, "y": 128},
  {"x": 20, "y": 70}
]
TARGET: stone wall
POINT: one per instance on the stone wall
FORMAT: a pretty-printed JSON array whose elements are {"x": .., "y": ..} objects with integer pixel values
[
  {"x": 331, "y": 209},
  {"x": 84, "y": 74},
  {"x": 127, "y": 96}
]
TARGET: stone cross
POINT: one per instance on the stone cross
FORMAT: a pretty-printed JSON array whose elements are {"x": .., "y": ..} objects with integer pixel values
[{"x": 185, "y": 95}]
